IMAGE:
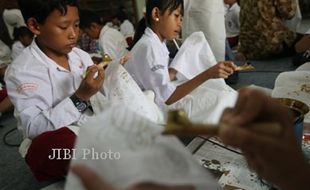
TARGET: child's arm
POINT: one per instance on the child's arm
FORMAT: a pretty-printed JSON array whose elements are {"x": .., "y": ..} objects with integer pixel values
[
  {"x": 303, "y": 44},
  {"x": 220, "y": 70}
]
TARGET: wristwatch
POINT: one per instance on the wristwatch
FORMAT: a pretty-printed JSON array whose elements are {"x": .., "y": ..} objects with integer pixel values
[{"x": 80, "y": 105}]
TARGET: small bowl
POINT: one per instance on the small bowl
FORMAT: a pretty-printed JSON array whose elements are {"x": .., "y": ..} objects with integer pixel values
[
  {"x": 295, "y": 105},
  {"x": 299, "y": 109}
]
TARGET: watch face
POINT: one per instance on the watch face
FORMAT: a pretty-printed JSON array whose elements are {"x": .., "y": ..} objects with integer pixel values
[{"x": 81, "y": 106}]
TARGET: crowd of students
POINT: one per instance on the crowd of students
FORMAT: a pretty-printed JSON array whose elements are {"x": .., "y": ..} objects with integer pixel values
[{"x": 51, "y": 98}]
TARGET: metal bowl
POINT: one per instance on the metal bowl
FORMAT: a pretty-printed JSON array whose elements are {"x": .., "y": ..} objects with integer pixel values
[{"x": 295, "y": 105}]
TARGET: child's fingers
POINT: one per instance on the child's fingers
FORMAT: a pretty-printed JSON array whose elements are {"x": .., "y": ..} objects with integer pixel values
[
  {"x": 226, "y": 68},
  {"x": 100, "y": 75},
  {"x": 223, "y": 73},
  {"x": 91, "y": 71},
  {"x": 230, "y": 64},
  {"x": 247, "y": 140},
  {"x": 125, "y": 58},
  {"x": 229, "y": 70}
]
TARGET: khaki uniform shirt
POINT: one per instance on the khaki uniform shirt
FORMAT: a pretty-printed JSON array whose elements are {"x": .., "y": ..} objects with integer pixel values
[{"x": 262, "y": 29}]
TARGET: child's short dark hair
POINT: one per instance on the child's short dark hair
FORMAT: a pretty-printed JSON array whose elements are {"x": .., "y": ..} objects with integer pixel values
[
  {"x": 163, "y": 6},
  {"x": 21, "y": 32},
  {"x": 40, "y": 9},
  {"x": 87, "y": 17},
  {"x": 121, "y": 16}
]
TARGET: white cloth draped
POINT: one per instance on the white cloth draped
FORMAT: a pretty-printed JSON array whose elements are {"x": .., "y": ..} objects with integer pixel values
[
  {"x": 144, "y": 154},
  {"x": 120, "y": 88},
  {"x": 207, "y": 102},
  {"x": 294, "y": 85},
  {"x": 194, "y": 56}
]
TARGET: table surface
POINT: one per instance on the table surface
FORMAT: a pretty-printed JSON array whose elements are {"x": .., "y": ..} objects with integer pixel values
[{"x": 228, "y": 164}]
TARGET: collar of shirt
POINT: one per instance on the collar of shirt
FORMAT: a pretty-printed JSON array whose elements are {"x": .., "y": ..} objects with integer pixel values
[
  {"x": 42, "y": 57},
  {"x": 104, "y": 29},
  {"x": 233, "y": 7},
  {"x": 149, "y": 33},
  {"x": 18, "y": 44}
]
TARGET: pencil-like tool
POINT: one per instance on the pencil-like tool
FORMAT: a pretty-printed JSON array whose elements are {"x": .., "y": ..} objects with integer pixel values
[
  {"x": 176, "y": 44},
  {"x": 245, "y": 67},
  {"x": 178, "y": 124},
  {"x": 106, "y": 59}
]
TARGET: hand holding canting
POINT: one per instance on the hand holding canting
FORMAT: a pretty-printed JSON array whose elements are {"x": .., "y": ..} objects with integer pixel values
[{"x": 91, "y": 84}]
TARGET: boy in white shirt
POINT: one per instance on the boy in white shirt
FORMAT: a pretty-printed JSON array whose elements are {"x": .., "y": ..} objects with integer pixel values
[
  {"x": 111, "y": 41},
  {"x": 46, "y": 87},
  {"x": 232, "y": 23},
  {"x": 126, "y": 27}
]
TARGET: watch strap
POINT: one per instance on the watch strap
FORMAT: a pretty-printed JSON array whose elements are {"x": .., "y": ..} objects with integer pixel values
[{"x": 80, "y": 104}]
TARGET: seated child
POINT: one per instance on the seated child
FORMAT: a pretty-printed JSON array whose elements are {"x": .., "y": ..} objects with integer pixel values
[
  {"x": 126, "y": 27},
  {"x": 149, "y": 67},
  {"x": 23, "y": 38},
  {"x": 87, "y": 44},
  {"x": 232, "y": 23},
  {"x": 111, "y": 41},
  {"x": 46, "y": 87}
]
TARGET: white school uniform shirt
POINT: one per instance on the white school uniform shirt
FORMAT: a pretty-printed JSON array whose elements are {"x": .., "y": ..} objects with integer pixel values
[
  {"x": 127, "y": 29},
  {"x": 206, "y": 16},
  {"x": 112, "y": 42},
  {"x": 40, "y": 90},
  {"x": 17, "y": 49},
  {"x": 232, "y": 23},
  {"x": 149, "y": 67},
  {"x": 294, "y": 23}
]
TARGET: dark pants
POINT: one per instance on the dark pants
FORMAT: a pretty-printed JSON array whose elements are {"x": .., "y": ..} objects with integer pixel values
[
  {"x": 37, "y": 158},
  {"x": 3, "y": 94},
  {"x": 233, "y": 41}
]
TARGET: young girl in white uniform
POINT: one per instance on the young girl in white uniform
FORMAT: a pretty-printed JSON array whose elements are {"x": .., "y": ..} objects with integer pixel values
[{"x": 149, "y": 67}]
